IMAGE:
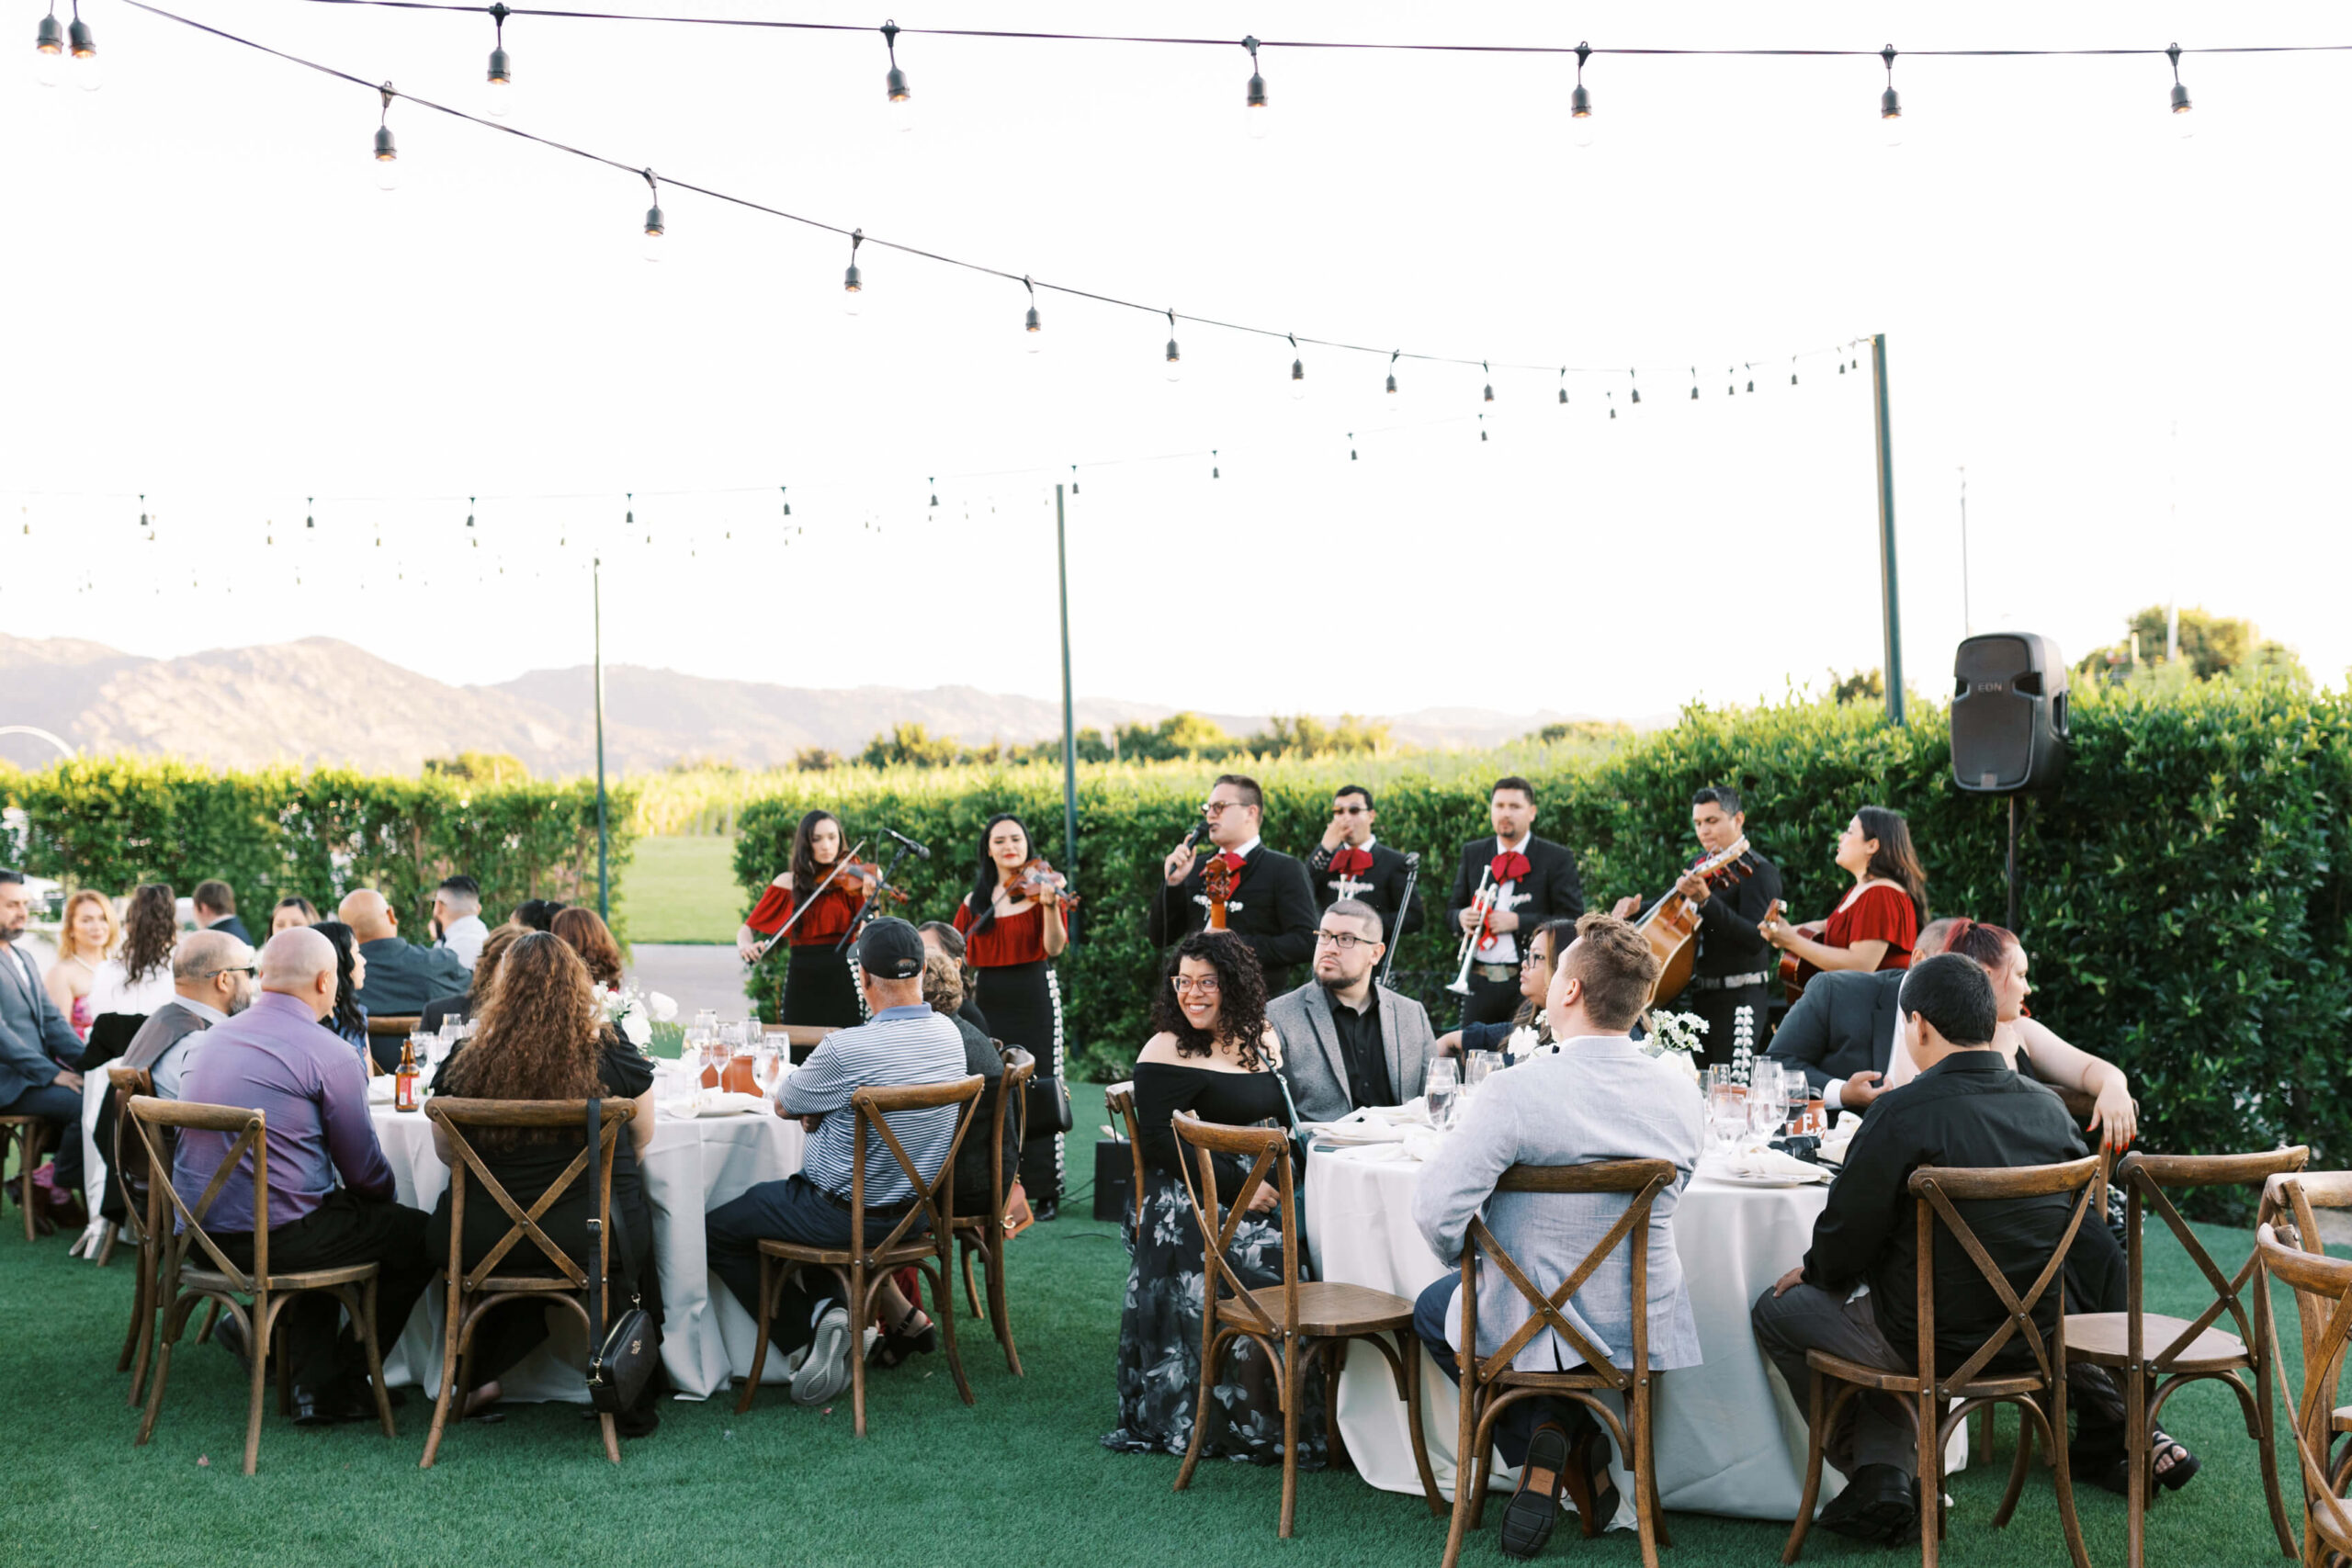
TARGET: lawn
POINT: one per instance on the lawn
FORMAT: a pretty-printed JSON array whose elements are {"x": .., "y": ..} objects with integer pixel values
[
  {"x": 682, "y": 889},
  {"x": 1015, "y": 1480}
]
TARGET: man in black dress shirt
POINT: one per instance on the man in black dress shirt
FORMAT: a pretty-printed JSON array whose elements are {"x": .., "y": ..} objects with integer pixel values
[
  {"x": 1966, "y": 1108},
  {"x": 1351, "y": 863},
  {"x": 1271, "y": 907},
  {"x": 1534, "y": 880},
  {"x": 1348, "y": 1042},
  {"x": 1734, "y": 965}
]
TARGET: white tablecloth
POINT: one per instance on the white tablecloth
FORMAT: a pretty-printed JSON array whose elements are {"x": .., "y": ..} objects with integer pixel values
[
  {"x": 694, "y": 1164},
  {"x": 1729, "y": 1438}
]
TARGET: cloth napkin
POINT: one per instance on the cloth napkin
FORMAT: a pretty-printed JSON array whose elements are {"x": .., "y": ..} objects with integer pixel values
[
  {"x": 379, "y": 1090},
  {"x": 1753, "y": 1163},
  {"x": 712, "y": 1103}
]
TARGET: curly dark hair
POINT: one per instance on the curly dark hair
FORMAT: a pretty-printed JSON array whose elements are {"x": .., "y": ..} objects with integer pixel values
[
  {"x": 151, "y": 927},
  {"x": 347, "y": 1020},
  {"x": 588, "y": 935},
  {"x": 1241, "y": 998},
  {"x": 540, "y": 1038}
]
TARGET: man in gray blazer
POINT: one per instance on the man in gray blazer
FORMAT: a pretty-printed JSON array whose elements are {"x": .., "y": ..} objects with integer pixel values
[
  {"x": 1347, "y": 1041},
  {"x": 1600, "y": 1098},
  {"x": 1840, "y": 1034}
]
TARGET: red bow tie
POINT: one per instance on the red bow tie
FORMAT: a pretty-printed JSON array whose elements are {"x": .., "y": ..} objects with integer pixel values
[
  {"x": 1510, "y": 865},
  {"x": 1347, "y": 861},
  {"x": 1231, "y": 860}
]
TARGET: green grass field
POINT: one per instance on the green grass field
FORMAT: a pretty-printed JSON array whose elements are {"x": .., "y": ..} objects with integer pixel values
[
  {"x": 682, "y": 889},
  {"x": 1016, "y": 1480}
]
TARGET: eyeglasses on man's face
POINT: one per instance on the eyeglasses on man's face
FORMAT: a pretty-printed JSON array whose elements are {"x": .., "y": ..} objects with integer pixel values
[
  {"x": 1346, "y": 941},
  {"x": 1216, "y": 808},
  {"x": 245, "y": 969},
  {"x": 1187, "y": 986}
]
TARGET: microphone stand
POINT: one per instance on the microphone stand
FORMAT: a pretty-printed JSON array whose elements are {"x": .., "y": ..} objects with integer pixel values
[
  {"x": 880, "y": 888},
  {"x": 1412, "y": 875}
]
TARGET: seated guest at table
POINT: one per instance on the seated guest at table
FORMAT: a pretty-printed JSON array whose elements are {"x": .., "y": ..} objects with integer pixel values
[
  {"x": 904, "y": 1043},
  {"x": 588, "y": 936},
  {"x": 138, "y": 977},
  {"x": 456, "y": 919},
  {"x": 1550, "y": 939},
  {"x": 1348, "y": 1042},
  {"x": 331, "y": 1202},
  {"x": 349, "y": 1016},
  {"x": 938, "y": 936},
  {"x": 1875, "y": 925},
  {"x": 86, "y": 939},
  {"x": 292, "y": 912},
  {"x": 1965, "y": 1109},
  {"x": 537, "y": 914},
  {"x": 216, "y": 909},
  {"x": 402, "y": 977},
  {"x": 943, "y": 992},
  {"x": 465, "y": 1003},
  {"x": 1213, "y": 1055},
  {"x": 34, "y": 1041},
  {"x": 213, "y": 979},
  {"x": 1840, "y": 1034},
  {"x": 1598, "y": 1098},
  {"x": 543, "y": 1036}
]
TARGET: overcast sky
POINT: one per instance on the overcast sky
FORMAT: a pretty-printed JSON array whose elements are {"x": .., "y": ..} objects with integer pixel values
[{"x": 2135, "y": 344}]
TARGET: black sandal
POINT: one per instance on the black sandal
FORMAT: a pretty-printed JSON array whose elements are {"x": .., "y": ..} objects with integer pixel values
[
  {"x": 2172, "y": 1477},
  {"x": 898, "y": 1345}
]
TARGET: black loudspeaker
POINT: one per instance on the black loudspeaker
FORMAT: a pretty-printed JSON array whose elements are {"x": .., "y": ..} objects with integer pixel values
[{"x": 2009, "y": 713}]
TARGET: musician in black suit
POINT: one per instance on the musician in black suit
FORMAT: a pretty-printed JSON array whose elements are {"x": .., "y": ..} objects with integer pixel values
[
  {"x": 1840, "y": 1034},
  {"x": 1351, "y": 863},
  {"x": 1735, "y": 966},
  {"x": 1534, "y": 880},
  {"x": 1272, "y": 906}
]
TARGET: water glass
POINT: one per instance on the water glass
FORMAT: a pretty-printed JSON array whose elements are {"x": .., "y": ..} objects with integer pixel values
[
  {"x": 1726, "y": 1112},
  {"x": 1481, "y": 1065},
  {"x": 767, "y": 1066},
  {"x": 1443, "y": 1088}
]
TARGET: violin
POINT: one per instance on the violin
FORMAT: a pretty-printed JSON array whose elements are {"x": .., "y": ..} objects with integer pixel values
[
  {"x": 1037, "y": 879},
  {"x": 869, "y": 877}
]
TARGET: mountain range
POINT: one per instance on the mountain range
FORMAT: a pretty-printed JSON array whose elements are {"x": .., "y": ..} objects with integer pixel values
[{"x": 323, "y": 701}]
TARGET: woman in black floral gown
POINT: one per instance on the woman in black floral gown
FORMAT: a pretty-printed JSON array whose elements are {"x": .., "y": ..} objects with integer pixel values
[{"x": 1215, "y": 1056}]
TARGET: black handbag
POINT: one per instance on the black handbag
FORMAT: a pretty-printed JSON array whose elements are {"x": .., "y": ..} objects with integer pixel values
[
  {"x": 621, "y": 1358},
  {"x": 1049, "y": 1110}
]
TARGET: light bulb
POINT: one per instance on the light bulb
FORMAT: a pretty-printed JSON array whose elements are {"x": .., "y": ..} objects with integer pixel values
[
  {"x": 501, "y": 95},
  {"x": 1581, "y": 125},
  {"x": 1298, "y": 380},
  {"x": 48, "y": 67},
  {"x": 902, "y": 101},
  {"x": 387, "y": 164},
  {"x": 1032, "y": 334},
  {"x": 1175, "y": 362},
  {"x": 656, "y": 240},
  {"x": 853, "y": 291},
  {"x": 1253, "y": 113},
  {"x": 1890, "y": 119}
]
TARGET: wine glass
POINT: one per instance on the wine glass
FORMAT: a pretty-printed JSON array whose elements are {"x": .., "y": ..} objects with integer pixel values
[
  {"x": 1479, "y": 1067},
  {"x": 1726, "y": 1113},
  {"x": 767, "y": 1067},
  {"x": 1767, "y": 1099},
  {"x": 1443, "y": 1088}
]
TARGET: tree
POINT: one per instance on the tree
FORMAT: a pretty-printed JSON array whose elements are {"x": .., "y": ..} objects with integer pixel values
[
  {"x": 2209, "y": 645},
  {"x": 816, "y": 759},
  {"x": 910, "y": 745},
  {"x": 1583, "y": 730},
  {"x": 489, "y": 769},
  {"x": 1306, "y": 736},
  {"x": 1862, "y": 686},
  {"x": 1184, "y": 734}
]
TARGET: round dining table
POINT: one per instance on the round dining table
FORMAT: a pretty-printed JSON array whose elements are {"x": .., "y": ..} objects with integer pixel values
[
  {"x": 693, "y": 1164},
  {"x": 1729, "y": 1438}
]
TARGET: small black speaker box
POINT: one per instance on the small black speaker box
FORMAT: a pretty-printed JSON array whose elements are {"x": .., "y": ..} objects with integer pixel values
[
  {"x": 2009, "y": 713},
  {"x": 1114, "y": 1177}
]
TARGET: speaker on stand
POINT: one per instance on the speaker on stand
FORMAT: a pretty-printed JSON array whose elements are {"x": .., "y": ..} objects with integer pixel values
[{"x": 2009, "y": 722}]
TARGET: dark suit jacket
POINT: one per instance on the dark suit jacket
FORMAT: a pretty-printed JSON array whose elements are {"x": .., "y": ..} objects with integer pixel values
[
  {"x": 232, "y": 927},
  {"x": 1273, "y": 911},
  {"x": 1842, "y": 1025},
  {"x": 34, "y": 1036},
  {"x": 403, "y": 978},
  {"x": 1387, "y": 890},
  {"x": 1552, "y": 888},
  {"x": 459, "y": 1007}
]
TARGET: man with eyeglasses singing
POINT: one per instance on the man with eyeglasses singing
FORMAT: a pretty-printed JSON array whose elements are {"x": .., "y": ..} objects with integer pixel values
[
  {"x": 1350, "y": 863},
  {"x": 1348, "y": 1042},
  {"x": 1271, "y": 908}
]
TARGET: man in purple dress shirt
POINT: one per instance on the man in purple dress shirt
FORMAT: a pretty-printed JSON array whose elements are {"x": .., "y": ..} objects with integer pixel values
[{"x": 274, "y": 1057}]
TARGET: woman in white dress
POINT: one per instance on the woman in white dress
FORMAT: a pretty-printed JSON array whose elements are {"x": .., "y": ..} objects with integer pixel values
[
  {"x": 86, "y": 938},
  {"x": 138, "y": 978}
]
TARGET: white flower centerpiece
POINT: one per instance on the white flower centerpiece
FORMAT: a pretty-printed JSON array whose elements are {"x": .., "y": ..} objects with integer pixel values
[
  {"x": 633, "y": 1014},
  {"x": 1674, "y": 1040}
]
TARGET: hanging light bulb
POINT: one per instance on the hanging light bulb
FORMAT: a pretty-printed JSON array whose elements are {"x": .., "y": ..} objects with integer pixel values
[
  {"x": 388, "y": 167},
  {"x": 1175, "y": 360},
  {"x": 1352, "y": 445},
  {"x": 501, "y": 96},
  {"x": 1793, "y": 370},
  {"x": 1253, "y": 108},
  {"x": 83, "y": 50},
  {"x": 1563, "y": 386},
  {"x": 1890, "y": 105},
  {"x": 656, "y": 241},
  {"x": 781, "y": 491},
  {"x": 1297, "y": 371},
  {"x": 1732, "y": 389},
  {"x": 48, "y": 50},
  {"x": 1482, "y": 426},
  {"x": 1490, "y": 386},
  {"x": 1394, "y": 354},
  {"x": 628, "y": 517},
  {"x": 1611, "y": 399},
  {"x": 1073, "y": 478},
  {"x": 1214, "y": 472},
  {"x": 902, "y": 100},
  {"x": 142, "y": 509},
  {"x": 1031, "y": 327},
  {"x": 935, "y": 492},
  {"x": 2181, "y": 104},
  {"x": 1694, "y": 383},
  {"x": 309, "y": 519},
  {"x": 1580, "y": 121},
  {"x": 1633, "y": 376},
  {"x": 1751, "y": 378},
  {"x": 854, "y": 286}
]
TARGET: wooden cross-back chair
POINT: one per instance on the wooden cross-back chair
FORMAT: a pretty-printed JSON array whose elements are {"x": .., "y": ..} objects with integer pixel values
[
  {"x": 2323, "y": 1289},
  {"x": 1119, "y": 1100},
  {"x": 2153, "y": 1355},
  {"x": 475, "y": 1293},
  {"x": 2291, "y": 1203},
  {"x": 255, "y": 1296},
  {"x": 27, "y": 1135},
  {"x": 133, "y": 1171},
  {"x": 1292, "y": 1321},
  {"x": 862, "y": 1266},
  {"x": 1942, "y": 1401},
  {"x": 1490, "y": 1386},
  {"x": 983, "y": 1235}
]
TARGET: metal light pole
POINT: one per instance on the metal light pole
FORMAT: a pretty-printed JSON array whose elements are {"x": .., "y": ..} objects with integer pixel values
[
  {"x": 1887, "y": 594},
  {"x": 1069, "y": 711},
  {"x": 604, "y": 830}
]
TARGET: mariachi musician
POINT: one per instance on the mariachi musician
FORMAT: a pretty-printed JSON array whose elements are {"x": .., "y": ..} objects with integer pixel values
[
  {"x": 1509, "y": 883},
  {"x": 818, "y": 987},
  {"x": 1014, "y": 925},
  {"x": 1735, "y": 964},
  {"x": 1270, "y": 905},
  {"x": 1351, "y": 863}
]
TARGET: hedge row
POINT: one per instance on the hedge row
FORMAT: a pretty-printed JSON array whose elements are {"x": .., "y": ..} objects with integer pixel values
[
  {"x": 2184, "y": 900},
  {"x": 112, "y": 823}
]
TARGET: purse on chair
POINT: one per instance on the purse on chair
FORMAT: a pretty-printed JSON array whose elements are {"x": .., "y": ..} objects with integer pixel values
[{"x": 620, "y": 1358}]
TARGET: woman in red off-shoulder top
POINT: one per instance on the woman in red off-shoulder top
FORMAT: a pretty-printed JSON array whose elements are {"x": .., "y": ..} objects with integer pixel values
[
  {"x": 1875, "y": 924},
  {"x": 817, "y": 988},
  {"x": 1011, "y": 935}
]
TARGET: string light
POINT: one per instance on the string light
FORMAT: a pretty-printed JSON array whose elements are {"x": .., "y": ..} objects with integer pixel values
[
  {"x": 935, "y": 492},
  {"x": 1793, "y": 370},
  {"x": 1394, "y": 354},
  {"x": 1073, "y": 478},
  {"x": 1580, "y": 101},
  {"x": 1563, "y": 386},
  {"x": 902, "y": 98},
  {"x": 142, "y": 509},
  {"x": 1031, "y": 327},
  {"x": 1890, "y": 104},
  {"x": 83, "y": 48},
  {"x": 1694, "y": 383},
  {"x": 782, "y": 491},
  {"x": 470, "y": 512},
  {"x": 1611, "y": 399},
  {"x": 1254, "y": 104},
  {"x": 1297, "y": 370},
  {"x": 388, "y": 167},
  {"x": 628, "y": 519},
  {"x": 49, "y": 48},
  {"x": 656, "y": 231},
  {"x": 1175, "y": 360},
  {"x": 2181, "y": 104},
  {"x": 1352, "y": 445},
  {"x": 1214, "y": 472},
  {"x": 1634, "y": 376},
  {"x": 1490, "y": 386},
  {"x": 502, "y": 74},
  {"x": 309, "y": 520},
  {"x": 852, "y": 285},
  {"x": 1482, "y": 426},
  {"x": 1752, "y": 376}
]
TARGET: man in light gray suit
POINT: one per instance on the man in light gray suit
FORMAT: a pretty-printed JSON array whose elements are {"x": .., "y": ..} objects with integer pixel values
[
  {"x": 1347, "y": 1041},
  {"x": 1598, "y": 1098}
]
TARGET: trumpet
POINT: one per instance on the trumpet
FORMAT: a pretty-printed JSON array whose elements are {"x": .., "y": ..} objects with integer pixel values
[{"x": 1480, "y": 905}]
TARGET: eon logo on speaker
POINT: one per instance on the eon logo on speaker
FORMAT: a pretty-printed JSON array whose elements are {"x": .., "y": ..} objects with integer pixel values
[{"x": 1990, "y": 686}]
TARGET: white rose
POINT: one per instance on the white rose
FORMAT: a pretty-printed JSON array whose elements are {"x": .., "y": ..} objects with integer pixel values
[
  {"x": 635, "y": 1031},
  {"x": 665, "y": 1009}
]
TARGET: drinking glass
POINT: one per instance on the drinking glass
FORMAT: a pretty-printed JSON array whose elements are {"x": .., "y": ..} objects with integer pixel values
[
  {"x": 1726, "y": 1112},
  {"x": 1443, "y": 1088},
  {"x": 1481, "y": 1067},
  {"x": 1768, "y": 1101},
  {"x": 767, "y": 1066}
]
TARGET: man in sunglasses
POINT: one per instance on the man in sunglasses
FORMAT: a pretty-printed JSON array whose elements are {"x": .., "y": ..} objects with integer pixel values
[
  {"x": 1348, "y": 1042},
  {"x": 1351, "y": 863},
  {"x": 213, "y": 981}
]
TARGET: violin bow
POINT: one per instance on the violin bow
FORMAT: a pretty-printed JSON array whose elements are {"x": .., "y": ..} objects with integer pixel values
[{"x": 800, "y": 905}]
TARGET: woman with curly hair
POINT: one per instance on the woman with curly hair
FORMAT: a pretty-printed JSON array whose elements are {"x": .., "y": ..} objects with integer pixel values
[
  {"x": 138, "y": 978},
  {"x": 349, "y": 1018},
  {"x": 584, "y": 931},
  {"x": 1214, "y": 1055},
  {"x": 84, "y": 940},
  {"x": 542, "y": 1035}
]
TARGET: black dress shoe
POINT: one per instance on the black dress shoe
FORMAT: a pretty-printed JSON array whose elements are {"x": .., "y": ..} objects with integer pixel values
[
  {"x": 1534, "y": 1508},
  {"x": 330, "y": 1408},
  {"x": 230, "y": 1335},
  {"x": 1880, "y": 1504},
  {"x": 1049, "y": 1210}
]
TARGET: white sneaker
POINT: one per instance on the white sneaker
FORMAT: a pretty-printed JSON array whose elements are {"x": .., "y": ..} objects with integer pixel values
[{"x": 825, "y": 1371}]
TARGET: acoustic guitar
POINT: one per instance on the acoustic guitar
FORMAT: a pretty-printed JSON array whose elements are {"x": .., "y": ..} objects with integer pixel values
[
  {"x": 1671, "y": 925},
  {"x": 1792, "y": 977}
]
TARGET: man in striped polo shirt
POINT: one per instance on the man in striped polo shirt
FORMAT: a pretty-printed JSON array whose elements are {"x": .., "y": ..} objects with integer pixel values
[{"x": 904, "y": 1043}]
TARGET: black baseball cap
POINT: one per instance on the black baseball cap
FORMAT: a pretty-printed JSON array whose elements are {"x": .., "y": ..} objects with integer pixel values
[{"x": 890, "y": 949}]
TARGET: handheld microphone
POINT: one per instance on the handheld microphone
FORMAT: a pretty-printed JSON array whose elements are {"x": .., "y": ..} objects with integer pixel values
[
  {"x": 912, "y": 847},
  {"x": 1193, "y": 835}
]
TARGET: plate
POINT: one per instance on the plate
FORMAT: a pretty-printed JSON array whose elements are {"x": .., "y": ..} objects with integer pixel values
[{"x": 1733, "y": 1179}]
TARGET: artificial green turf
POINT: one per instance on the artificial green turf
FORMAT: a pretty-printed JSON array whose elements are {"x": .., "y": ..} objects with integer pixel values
[
  {"x": 1018, "y": 1479},
  {"x": 682, "y": 889}
]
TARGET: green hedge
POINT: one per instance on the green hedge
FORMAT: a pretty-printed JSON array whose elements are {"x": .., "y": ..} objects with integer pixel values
[
  {"x": 112, "y": 823},
  {"x": 2184, "y": 900}
]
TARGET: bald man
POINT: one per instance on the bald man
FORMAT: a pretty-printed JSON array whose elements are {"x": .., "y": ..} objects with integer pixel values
[
  {"x": 402, "y": 977},
  {"x": 331, "y": 1202}
]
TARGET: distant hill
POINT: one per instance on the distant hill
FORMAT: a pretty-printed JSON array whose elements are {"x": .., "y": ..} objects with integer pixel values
[{"x": 319, "y": 700}]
